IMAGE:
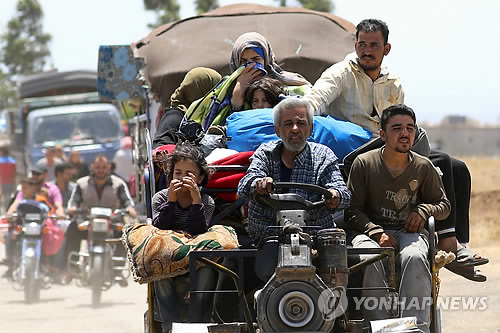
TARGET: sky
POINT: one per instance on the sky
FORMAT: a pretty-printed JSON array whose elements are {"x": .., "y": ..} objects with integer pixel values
[{"x": 445, "y": 51}]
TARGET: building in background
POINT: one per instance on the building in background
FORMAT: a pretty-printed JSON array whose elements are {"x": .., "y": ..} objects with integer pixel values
[{"x": 459, "y": 135}]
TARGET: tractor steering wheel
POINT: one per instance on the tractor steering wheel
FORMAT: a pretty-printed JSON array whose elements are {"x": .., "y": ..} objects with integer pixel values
[{"x": 293, "y": 200}]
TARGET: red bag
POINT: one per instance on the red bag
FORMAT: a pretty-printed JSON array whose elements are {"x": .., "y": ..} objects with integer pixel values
[{"x": 52, "y": 238}]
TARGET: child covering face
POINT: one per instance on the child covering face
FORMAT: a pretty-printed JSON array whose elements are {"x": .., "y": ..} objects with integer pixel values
[{"x": 182, "y": 206}]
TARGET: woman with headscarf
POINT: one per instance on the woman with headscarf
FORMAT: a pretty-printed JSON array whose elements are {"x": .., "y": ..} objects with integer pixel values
[
  {"x": 196, "y": 84},
  {"x": 252, "y": 58},
  {"x": 253, "y": 47}
]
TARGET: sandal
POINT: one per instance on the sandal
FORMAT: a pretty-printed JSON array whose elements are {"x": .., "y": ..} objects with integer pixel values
[
  {"x": 466, "y": 257},
  {"x": 468, "y": 272},
  {"x": 464, "y": 265}
]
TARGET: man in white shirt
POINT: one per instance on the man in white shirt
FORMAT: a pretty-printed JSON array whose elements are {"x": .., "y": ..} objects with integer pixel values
[{"x": 358, "y": 89}]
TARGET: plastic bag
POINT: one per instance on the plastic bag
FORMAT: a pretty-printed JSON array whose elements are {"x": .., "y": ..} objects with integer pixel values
[
  {"x": 212, "y": 141},
  {"x": 52, "y": 238}
]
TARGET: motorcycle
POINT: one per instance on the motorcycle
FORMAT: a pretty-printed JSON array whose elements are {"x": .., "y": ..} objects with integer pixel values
[
  {"x": 29, "y": 226},
  {"x": 104, "y": 261}
]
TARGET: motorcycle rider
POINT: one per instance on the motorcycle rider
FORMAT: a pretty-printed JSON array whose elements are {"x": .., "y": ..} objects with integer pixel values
[
  {"x": 99, "y": 189},
  {"x": 37, "y": 181},
  {"x": 64, "y": 173},
  {"x": 30, "y": 190},
  {"x": 39, "y": 175}
]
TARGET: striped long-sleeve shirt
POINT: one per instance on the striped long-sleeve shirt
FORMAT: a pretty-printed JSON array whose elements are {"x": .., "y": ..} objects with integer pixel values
[{"x": 169, "y": 215}]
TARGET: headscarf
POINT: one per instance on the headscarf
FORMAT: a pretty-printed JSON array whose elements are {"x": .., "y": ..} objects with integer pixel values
[
  {"x": 195, "y": 85},
  {"x": 256, "y": 40}
]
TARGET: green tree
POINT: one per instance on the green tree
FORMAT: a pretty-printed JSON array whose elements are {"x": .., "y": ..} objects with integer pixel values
[
  {"x": 7, "y": 91},
  {"x": 23, "y": 48},
  {"x": 203, "y": 6},
  {"x": 25, "y": 45},
  {"x": 167, "y": 11},
  {"x": 319, "y": 5}
]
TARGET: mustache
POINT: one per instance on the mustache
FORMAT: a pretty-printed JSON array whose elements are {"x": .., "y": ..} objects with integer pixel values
[
  {"x": 368, "y": 57},
  {"x": 295, "y": 135}
]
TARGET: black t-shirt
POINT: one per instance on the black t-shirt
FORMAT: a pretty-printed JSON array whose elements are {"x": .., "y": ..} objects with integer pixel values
[{"x": 286, "y": 173}]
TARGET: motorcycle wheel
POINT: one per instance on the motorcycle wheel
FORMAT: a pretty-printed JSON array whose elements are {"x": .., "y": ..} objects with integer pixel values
[
  {"x": 31, "y": 285},
  {"x": 97, "y": 279}
]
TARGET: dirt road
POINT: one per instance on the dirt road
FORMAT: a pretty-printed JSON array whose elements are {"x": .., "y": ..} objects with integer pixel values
[
  {"x": 457, "y": 319},
  {"x": 67, "y": 309}
]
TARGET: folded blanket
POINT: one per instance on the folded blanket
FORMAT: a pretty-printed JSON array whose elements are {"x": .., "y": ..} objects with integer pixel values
[{"x": 156, "y": 254}]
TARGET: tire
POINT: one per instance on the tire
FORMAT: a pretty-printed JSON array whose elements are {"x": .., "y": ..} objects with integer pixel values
[
  {"x": 97, "y": 279},
  {"x": 31, "y": 285}
]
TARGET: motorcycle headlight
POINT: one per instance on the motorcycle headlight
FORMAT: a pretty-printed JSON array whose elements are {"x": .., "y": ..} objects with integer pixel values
[
  {"x": 32, "y": 229},
  {"x": 100, "y": 225},
  {"x": 100, "y": 211},
  {"x": 33, "y": 217}
]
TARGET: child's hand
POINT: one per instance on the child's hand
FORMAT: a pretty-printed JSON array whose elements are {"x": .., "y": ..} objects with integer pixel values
[
  {"x": 175, "y": 185},
  {"x": 190, "y": 183}
]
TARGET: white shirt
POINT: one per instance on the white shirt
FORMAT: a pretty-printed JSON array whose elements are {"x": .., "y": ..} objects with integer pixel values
[
  {"x": 123, "y": 162},
  {"x": 346, "y": 92}
]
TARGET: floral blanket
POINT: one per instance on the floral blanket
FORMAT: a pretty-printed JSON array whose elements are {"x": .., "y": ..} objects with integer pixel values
[{"x": 156, "y": 254}]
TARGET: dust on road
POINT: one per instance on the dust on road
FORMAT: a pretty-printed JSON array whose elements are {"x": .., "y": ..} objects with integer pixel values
[{"x": 67, "y": 309}]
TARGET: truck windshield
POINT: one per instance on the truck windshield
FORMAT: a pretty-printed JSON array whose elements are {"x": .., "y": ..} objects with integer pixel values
[{"x": 76, "y": 128}]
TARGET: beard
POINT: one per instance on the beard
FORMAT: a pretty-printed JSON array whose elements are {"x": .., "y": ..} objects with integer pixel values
[
  {"x": 294, "y": 147},
  {"x": 100, "y": 176},
  {"x": 370, "y": 67},
  {"x": 402, "y": 150}
]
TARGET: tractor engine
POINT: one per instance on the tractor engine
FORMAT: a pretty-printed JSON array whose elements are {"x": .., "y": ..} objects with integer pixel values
[{"x": 296, "y": 298}]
